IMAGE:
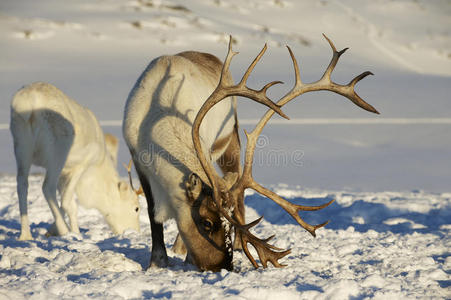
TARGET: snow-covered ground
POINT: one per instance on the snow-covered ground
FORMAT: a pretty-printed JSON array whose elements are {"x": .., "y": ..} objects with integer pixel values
[
  {"x": 382, "y": 245},
  {"x": 389, "y": 235}
]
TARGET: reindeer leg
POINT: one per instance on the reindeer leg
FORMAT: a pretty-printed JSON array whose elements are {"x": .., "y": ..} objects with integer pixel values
[
  {"x": 23, "y": 169},
  {"x": 159, "y": 256},
  {"x": 23, "y": 152},
  {"x": 49, "y": 189},
  {"x": 68, "y": 203}
]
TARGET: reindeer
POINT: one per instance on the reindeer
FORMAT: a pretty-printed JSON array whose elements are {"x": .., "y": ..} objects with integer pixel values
[
  {"x": 52, "y": 131},
  {"x": 174, "y": 143}
]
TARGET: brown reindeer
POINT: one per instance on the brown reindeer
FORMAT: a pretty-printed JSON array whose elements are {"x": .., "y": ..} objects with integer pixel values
[{"x": 174, "y": 142}]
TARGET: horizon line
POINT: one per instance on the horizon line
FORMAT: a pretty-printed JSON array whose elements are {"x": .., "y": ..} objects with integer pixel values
[{"x": 318, "y": 121}]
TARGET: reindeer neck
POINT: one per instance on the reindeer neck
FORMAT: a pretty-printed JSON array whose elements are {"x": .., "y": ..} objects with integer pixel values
[{"x": 98, "y": 187}]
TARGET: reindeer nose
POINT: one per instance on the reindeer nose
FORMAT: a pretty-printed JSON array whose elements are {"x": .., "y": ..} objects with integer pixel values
[{"x": 227, "y": 263}]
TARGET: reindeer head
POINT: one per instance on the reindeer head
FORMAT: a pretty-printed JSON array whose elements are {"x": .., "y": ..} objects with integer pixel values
[
  {"x": 214, "y": 200},
  {"x": 208, "y": 238},
  {"x": 123, "y": 210},
  {"x": 124, "y": 213}
]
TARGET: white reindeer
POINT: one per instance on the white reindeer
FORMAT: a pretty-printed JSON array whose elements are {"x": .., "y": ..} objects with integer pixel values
[{"x": 53, "y": 131}]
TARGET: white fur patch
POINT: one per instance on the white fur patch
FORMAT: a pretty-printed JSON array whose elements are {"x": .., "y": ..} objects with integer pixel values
[{"x": 228, "y": 227}]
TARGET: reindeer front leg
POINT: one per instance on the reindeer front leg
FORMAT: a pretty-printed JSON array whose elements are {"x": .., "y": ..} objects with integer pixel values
[
  {"x": 159, "y": 256},
  {"x": 49, "y": 189},
  {"x": 67, "y": 187}
]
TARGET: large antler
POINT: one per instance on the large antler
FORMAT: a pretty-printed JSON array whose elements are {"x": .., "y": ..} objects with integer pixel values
[{"x": 265, "y": 251}]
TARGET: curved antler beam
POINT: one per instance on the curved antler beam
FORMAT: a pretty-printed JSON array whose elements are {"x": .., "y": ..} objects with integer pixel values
[{"x": 221, "y": 92}]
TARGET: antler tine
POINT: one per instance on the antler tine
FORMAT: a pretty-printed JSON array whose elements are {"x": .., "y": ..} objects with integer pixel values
[
  {"x": 241, "y": 89},
  {"x": 266, "y": 252},
  {"x": 359, "y": 77},
  {"x": 326, "y": 83},
  {"x": 226, "y": 65},
  {"x": 252, "y": 66},
  {"x": 296, "y": 69},
  {"x": 247, "y": 181},
  {"x": 129, "y": 169},
  {"x": 333, "y": 62},
  {"x": 294, "y": 209}
]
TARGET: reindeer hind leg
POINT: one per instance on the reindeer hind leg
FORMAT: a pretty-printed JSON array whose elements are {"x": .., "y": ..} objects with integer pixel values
[{"x": 23, "y": 162}]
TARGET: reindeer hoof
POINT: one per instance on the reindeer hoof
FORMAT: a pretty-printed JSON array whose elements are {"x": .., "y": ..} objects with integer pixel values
[
  {"x": 50, "y": 234},
  {"x": 158, "y": 260},
  {"x": 158, "y": 264},
  {"x": 53, "y": 231}
]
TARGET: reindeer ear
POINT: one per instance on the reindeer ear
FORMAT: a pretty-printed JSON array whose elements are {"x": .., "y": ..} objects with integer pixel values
[
  {"x": 122, "y": 186},
  {"x": 193, "y": 186},
  {"x": 230, "y": 178},
  {"x": 112, "y": 146}
]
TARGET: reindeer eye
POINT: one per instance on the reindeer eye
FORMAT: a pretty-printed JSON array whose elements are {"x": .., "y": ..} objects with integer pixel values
[
  {"x": 207, "y": 224},
  {"x": 137, "y": 209}
]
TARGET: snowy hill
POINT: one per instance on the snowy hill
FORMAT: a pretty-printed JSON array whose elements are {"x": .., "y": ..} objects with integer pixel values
[{"x": 389, "y": 235}]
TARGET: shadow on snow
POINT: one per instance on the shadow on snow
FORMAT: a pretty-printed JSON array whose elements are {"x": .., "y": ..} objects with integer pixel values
[{"x": 362, "y": 215}]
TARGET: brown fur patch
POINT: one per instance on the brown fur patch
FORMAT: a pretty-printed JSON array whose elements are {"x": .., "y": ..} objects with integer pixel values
[
  {"x": 221, "y": 144},
  {"x": 230, "y": 159},
  {"x": 207, "y": 62},
  {"x": 112, "y": 146},
  {"x": 111, "y": 140}
]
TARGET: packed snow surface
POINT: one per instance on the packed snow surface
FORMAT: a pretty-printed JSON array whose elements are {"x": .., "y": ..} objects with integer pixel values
[
  {"x": 382, "y": 245},
  {"x": 389, "y": 235}
]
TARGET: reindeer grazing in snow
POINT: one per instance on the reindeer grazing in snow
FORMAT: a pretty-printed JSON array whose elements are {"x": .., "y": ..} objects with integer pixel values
[
  {"x": 53, "y": 131},
  {"x": 174, "y": 142}
]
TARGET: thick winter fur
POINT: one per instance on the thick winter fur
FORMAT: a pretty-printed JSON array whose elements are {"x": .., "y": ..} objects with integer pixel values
[
  {"x": 53, "y": 131},
  {"x": 157, "y": 127}
]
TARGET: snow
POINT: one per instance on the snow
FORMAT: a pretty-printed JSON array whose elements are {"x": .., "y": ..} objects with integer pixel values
[
  {"x": 385, "y": 254},
  {"x": 389, "y": 235}
]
